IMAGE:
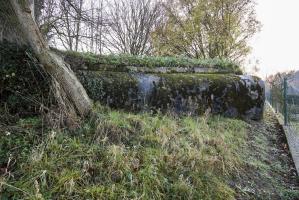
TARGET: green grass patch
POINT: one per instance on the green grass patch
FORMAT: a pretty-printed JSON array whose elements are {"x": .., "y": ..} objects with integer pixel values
[
  {"x": 119, "y": 155},
  {"x": 121, "y": 60}
]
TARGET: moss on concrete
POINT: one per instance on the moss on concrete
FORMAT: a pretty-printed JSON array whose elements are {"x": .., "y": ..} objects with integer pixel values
[{"x": 228, "y": 94}]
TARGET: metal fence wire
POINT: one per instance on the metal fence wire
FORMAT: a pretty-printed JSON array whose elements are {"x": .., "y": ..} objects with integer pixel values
[{"x": 284, "y": 98}]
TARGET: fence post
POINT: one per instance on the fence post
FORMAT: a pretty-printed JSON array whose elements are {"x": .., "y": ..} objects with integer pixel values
[
  {"x": 271, "y": 96},
  {"x": 285, "y": 109}
]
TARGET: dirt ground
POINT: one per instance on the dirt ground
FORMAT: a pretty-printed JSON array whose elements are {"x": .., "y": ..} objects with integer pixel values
[{"x": 270, "y": 172}]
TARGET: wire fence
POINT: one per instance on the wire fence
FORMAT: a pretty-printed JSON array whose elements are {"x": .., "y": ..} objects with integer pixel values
[{"x": 284, "y": 98}]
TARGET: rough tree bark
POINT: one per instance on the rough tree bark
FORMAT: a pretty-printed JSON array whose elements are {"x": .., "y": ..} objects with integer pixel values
[{"x": 69, "y": 91}]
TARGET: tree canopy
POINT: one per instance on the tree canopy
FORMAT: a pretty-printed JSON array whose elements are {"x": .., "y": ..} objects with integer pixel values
[{"x": 207, "y": 28}]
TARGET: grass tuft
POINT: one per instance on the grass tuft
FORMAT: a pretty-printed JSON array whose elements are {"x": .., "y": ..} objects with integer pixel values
[{"x": 123, "y": 60}]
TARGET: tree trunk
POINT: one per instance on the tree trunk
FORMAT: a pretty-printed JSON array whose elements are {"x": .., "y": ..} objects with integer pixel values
[
  {"x": 79, "y": 18},
  {"x": 69, "y": 90}
]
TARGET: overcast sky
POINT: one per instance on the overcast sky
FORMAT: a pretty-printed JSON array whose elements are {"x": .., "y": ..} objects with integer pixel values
[{"x": 277, "y": 45}]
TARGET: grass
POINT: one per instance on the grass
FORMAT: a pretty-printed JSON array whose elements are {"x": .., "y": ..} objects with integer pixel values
[
  {"x": 269, "y": 172},
  {"x": 152, "y": 62},
  {"x": 119, "y": 155}
]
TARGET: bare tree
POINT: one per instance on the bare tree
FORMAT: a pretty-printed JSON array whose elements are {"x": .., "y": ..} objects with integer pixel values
[
  {"x": 130, "y": 25},
  {"x": 99, "y": 26},
  {"x": 95, "y": 24},
  {"x": 72, "y": 24},
  {"x": 68, "y": 27}
]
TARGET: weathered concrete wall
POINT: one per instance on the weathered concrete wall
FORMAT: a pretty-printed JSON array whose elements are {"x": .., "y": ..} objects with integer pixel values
[{"x": 181, "y": 93}]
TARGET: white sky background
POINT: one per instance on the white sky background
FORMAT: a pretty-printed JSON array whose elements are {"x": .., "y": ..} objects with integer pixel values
[{"x": 277, "y": 45}]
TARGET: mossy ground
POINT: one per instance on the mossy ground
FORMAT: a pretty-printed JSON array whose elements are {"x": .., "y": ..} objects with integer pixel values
[{"x": 119, "y": 155}]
